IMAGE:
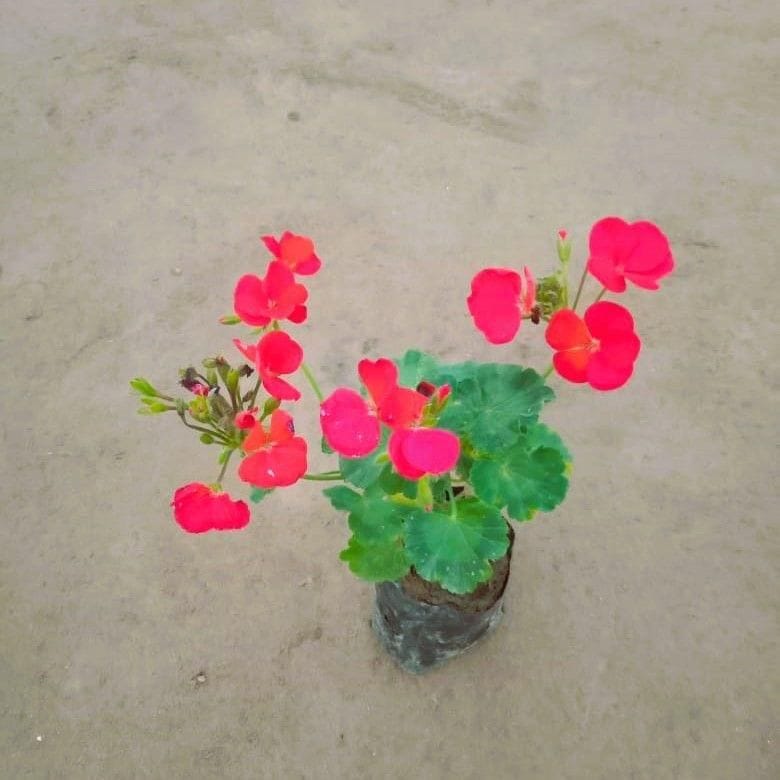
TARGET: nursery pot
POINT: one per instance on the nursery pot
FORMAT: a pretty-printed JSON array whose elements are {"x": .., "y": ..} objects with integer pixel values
[{"x": 422, "y": 625}]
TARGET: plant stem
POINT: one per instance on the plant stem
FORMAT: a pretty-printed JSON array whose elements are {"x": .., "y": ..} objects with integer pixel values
[
  {"x": 212, "y": 432},
  {"x": 328, "y": 476},
  {"x": 548, "y": 372},
  {"x": 255, "y": 391},
  {"x": 579, "y": 289},
  {"x": 313, "y": 382},
  {"x": 224, "y": 467},
  {"x": 600, "y": 295}
]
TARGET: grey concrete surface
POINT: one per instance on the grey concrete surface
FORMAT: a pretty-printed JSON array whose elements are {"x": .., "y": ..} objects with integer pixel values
[{"x": 145, "y": 147}]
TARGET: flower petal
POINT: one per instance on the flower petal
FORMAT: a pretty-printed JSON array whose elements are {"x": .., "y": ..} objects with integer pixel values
[
  {"x": 605, "y": 317},
  {"x": 298, "y": 315},
  {"x": 494, "y": 303},
  {"x": 402, "y": 407},
  {"x": 297, "y": 253},
  {"x": 278, "y": 278},
  {"x": 257, "y": 439},
  {"x": 197, "y": 509},
  {"x": 272, "y": 244},
  {"x": 431, "y": 450},
  {"x": 379, "y": 377},
  {"x": 249, "y": 351},
  {"x": 603, "y": 268},
  {"x": 282, "y": 426},
  {"x": 572, "y": 364},
  {"x": 348, "y": 425},
  {"x": 279, "y": 466},
  {"x": 278, "y": 353},
  {"x": 250, "y": 301},
  {"x": 278, "y": 388},
  {"x": 395, "y": 450},
  {"x": 567, "y": 330}
]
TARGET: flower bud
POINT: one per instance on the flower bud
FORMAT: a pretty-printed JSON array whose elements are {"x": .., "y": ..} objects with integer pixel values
[
  {"x": 231, "y": 382},
  {"x": 271, "y": 405},
  {"x": 144, "y": 387},
  {"x": 564, "y": 246},
  {"x": 207, "y": 438}
]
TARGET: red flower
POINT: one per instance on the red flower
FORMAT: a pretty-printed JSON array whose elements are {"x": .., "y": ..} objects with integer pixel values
[
  {"x": 245, "y": 420},
  {"x": 296, "y": 252},
  {"x": 416, "y": 452},
  {"x": 276, "y": 297},
  {"x": 197, "y": 508},
  {"x": 638, "y": 252},
  {"x": 276, "y": 457},
  {"x": 276, "y": 353},
  {"x": 500, "y": 298},
  {"x": 599, "y": 349},
  {"x": 350, "y": 424}
]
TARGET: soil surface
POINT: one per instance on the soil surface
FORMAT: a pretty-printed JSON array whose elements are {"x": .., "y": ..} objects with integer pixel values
[{"x": 145, "y": 148}]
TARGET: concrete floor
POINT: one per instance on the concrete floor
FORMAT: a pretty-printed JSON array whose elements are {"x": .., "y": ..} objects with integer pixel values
[{"x": 145, "y": 147}]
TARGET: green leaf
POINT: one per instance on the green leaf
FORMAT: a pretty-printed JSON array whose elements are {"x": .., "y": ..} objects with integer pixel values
[
  {"x": 373, "y": 519},
  {"x": 524, "y": 479},
  {"x": 343, "y": 498},
  {"x": 540, "y": 435},
  {"x": 325, "y": 447},
  {"x": 256, "y": 494},
  {"x": 491, "y": 406},
  {"x": 143, "y": 386},
  {"x": 456, "y": 552},
  {"x": 415, "y": 366},
  {"x": 392, "y": 482},
  {"x": 362, "y": 472},
  {"x": 376, "y": 562}
]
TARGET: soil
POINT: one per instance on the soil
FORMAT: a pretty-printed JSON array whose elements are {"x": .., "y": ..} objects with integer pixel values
[{"x": 481, "y": 600}]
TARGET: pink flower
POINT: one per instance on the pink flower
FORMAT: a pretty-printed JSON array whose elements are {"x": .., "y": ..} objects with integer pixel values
[
  {"x": 276, "y": 456},
  {"x": 296, "y": 252},
  {"x": 276, "y": 353},
  {"x": 351, "y": 425},
  {"x": 416, "y": 452},
  {"x": 197, "y": 509},
  {"x": 562, "y": 233},
  {"x": 276, "y": 297},
  {"x": 619, "y": 251},
  {"x": 599, "y": 349},
  {"x": 500, "y": 298},
  {"x": 245, "y": 420}
]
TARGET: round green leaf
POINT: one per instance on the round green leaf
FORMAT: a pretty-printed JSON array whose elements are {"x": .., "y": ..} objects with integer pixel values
[
  {"x": 376, "y": 562},
  {"x": 456, "y": 551},
  {"x": 523, "y": 479},
  {"x": 491, "y": 405}
]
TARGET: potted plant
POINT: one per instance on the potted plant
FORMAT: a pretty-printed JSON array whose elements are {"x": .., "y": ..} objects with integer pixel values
[{"x": 431, "y": 460}]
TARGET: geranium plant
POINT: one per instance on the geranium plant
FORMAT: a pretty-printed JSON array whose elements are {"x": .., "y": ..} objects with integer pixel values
[{"x": 431, "y": 458}]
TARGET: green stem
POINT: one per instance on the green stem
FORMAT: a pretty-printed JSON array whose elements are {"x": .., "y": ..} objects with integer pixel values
[
  {"x": 212, "y": 432},
  {"x": 548, "y": 372},
  {"x": 313, "y": 382},
  {"x": 328, "y": 476},
  {"x": 255, "y": 391},
  {"x": 600, "y": 295},
  {"x": 579, "y": 289},
  {"x": 224, "y": 467}
]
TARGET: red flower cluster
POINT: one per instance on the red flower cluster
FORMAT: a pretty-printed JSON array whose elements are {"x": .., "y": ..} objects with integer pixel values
[
  {"x": 276, "y": 353},
  {"x": 600, "y": 348},
  {"x": 351, "y": 425},
  {"x": 197, "y": 509},
  {"x": 276, "y": 457},
  {"x": 638, "y": 252}
]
